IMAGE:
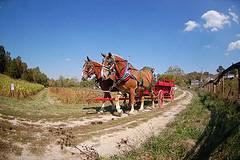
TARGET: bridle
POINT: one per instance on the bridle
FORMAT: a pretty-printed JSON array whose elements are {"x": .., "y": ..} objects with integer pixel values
[
  {"x": 90, "y": 68},
  {"x": 111, "y": 64}
]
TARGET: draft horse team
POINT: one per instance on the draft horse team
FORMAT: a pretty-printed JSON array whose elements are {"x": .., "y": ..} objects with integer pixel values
[{"x": 117, "y": 74}]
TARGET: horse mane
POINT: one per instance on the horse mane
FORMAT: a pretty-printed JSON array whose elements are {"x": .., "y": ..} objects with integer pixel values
[
  {"x": 117, "y": 56},
  {"x": 124, "y": 59},
  {"x": 96, "y": 63}
]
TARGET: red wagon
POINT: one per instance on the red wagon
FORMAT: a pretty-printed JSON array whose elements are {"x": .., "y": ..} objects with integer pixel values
[{"x": 162, "y": 89}]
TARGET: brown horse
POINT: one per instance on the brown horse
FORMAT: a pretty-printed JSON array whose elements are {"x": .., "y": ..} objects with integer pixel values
[
  {"x": 128, "y": 79},
  {"x": 94, "y": 68}
]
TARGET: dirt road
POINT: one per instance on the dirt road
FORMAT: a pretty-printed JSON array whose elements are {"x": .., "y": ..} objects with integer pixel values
[{"x": 133, "y": 132}]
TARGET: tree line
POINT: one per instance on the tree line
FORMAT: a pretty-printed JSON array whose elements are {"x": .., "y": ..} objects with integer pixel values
[
  {"x": 177, "y": 74},
  {"x": 71, "y": 82},
  {"x": 16, "y": 68}
]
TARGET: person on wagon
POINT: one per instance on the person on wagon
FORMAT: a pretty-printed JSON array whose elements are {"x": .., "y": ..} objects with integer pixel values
[{"x": 154, "y": 75}]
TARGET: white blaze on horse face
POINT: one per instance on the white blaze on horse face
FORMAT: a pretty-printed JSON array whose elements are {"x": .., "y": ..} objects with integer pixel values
[{"x": 82, "y": 74}]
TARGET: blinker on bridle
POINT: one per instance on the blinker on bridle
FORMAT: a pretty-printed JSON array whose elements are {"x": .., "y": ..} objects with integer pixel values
[
  {"x": 89, "y": 66},
  {"x": 110, "y": 61}
]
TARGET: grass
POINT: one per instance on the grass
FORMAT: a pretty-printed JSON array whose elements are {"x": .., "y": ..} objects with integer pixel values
[
  {"x": 208, "y": 129},
  {"x": 40, "y": 108},
  {"x": 221, "y": 137}
]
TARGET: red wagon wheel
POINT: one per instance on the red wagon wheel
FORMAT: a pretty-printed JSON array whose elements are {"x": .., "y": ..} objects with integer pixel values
[
  {"x": 160, "y": 98},
  {"x": 172, "y": 94}
]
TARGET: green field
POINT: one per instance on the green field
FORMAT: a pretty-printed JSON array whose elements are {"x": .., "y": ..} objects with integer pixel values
[{"x": 22, "y": 88}]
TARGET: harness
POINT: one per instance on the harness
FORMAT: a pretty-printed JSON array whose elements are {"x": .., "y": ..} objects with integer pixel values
[
  {"x": 98, "y": 79},
  {"x": 89, "y": 72},
  {"x": 89, "y": 66},
  {"x": 126, "y": 73}
]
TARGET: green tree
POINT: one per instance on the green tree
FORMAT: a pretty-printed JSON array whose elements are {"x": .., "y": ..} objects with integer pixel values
[
  {"x": 39, "y": 77},
  {"x": 13, "y": 69},
  {"x": 7, "y": 62},
  {"x": 24, "y": 76},
  {"x": 147, "y": 68},
  {"x": 2, "y": 59},
  {"x": 178, "y": 75},
  {"x": 61, "y": 81},
  {"x": 24, "y": 69},
  {"x": 220, "y": 69},
  {"x": 176, "y": 70},
  {"x": 19, "y": 64},
  {"x": 30, "y": 75}
]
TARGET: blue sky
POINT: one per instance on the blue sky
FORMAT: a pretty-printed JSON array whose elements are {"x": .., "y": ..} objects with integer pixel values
[{"x": 57, "y": 35}]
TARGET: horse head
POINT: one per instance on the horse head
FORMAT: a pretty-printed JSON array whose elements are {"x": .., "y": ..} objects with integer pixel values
[
  {"x": 88, "y": 69},
  {"x": 109, "y": 65}
]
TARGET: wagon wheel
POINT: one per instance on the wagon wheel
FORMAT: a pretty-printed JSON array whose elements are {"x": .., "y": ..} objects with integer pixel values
[
  {"x": 172, "y": 93},
  {"x": 160, "y": 98}
]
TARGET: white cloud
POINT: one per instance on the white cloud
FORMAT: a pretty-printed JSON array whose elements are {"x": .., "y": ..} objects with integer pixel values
[
  {"x": 234, "y": 45},
  {"x": 214, "y": 29},
  {"x": 226, "y": 54},
  {"x": 207, "y": 46},
  {"x": 68, "y": 59},
  {"x": 191, "y": 25},
  {"x": 238, "y": 35},
  {"x": 234, "y": 16},
  {"x": 215, "y": 20}
]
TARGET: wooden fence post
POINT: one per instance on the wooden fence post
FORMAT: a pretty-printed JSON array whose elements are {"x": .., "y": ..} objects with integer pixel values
[{"x": 214, "y": 88}]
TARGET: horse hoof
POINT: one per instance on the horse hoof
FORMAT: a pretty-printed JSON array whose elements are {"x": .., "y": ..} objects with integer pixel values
[
  {"x": 130, "y": 113},
  {"x": 100, "y": 112},
  {"x": 120, "y": 114}
]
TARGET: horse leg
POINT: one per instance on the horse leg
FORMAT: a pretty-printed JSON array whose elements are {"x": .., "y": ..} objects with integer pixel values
[
  {"x": 153, "y": 98},
  {"x": 125, "y": 101},
  {"x": 118, "y": 108},
  {"x": 103, "y": 104},
  {"x": 109, "y": 96},
  {"x": 132, "y": 97},
  {"x": 142, "y": 102}
]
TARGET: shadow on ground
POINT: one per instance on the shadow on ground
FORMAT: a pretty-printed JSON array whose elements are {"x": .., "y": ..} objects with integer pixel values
[
  {"x": 221, "y": 138},
  {"x": 108, "y": 109}
]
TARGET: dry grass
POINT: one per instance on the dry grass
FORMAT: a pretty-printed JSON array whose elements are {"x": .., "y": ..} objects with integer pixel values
[{"x": 75, "y": 95}]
